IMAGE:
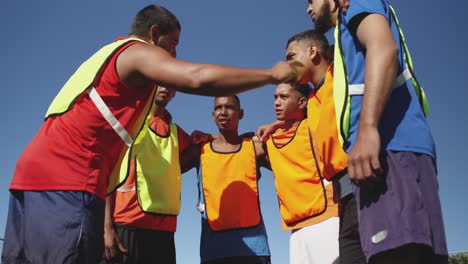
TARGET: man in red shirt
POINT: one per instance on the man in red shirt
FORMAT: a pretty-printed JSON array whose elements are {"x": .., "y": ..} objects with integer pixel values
[{"x": 59, "y": 186}]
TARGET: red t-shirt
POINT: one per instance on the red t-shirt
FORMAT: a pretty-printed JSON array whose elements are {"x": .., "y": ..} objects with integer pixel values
[
  {"x": 77, "y": 151},
  {"x": 127, "y": 211}
]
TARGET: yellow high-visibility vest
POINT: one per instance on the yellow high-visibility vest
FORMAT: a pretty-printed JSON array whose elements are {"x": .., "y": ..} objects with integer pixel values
[{"x": 81, "y": 82}]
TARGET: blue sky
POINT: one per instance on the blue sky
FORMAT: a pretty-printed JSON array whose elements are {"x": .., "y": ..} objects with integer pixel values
[{"x": 45, "y": 41}]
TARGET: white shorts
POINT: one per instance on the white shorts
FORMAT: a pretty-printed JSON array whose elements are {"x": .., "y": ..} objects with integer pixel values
[{"x": 315, "y": 244}]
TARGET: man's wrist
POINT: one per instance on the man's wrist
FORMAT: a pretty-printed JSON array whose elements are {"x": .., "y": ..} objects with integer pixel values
[
  {"x": 108, "y": 225},
  {"x": 368, "y": 123}
]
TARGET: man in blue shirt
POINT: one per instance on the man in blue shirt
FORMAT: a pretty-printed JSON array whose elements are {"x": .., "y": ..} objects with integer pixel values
[{"x": 391, "y": 150}]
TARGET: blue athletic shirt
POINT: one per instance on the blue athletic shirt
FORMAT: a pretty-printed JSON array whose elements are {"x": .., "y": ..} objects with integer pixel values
[
  {"x": 403, "y": 126},
  {"x": 231, "y": 243}
]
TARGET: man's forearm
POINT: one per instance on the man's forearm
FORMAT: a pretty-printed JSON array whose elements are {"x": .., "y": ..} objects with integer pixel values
[
  {"x": 108, "y": 220},
  {"x": 230, "y": 83}
]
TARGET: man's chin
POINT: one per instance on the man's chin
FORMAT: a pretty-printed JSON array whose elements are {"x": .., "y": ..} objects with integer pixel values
[
  {"x": 226, "y": 129},
  {"x": 161, "y": 103},
  {"x": 322, "y": 27}
]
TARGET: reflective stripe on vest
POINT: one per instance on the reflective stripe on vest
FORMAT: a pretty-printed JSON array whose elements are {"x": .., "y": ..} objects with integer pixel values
[
  {"x": 343, "y": 91},
  {"x": 229, "y": 184},
  {"x": 110, "y": 118},
  {"x": 81, "y": 81},
  {"x": 299, "y": 185},
  {"x": 358, "y": 89},
  {"x": 121, "y": 170},
  {"x": 127, "y": 188},
  {"x": 157, "y": 173}
]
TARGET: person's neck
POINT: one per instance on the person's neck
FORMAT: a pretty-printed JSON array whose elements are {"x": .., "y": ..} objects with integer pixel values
[
  {"x": 158, "y": 110},
  {"x": 319, "y": 73},
  {"x": 228, "y": 137},
  {"x": 227, "y": 142},
  {"x": 334, "y": 16},
  {"x": 288, "y": 124},
  {"x": 148, "y": 40}
]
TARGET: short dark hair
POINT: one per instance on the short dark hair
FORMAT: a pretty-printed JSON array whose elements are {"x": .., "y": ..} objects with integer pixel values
[
  {"x": 316, "y": 38},
  {"x": 154, "y": 15},
  {"x": 303, "y": 89},
  {"x": 235, "y": 97}
]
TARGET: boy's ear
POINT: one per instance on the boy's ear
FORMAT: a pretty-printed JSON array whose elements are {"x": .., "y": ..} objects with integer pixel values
[
  {"x": 334, "y": 5},
  {"x": 155, "y": 33},
  {"x": 303, "y": 102},
  {"x": 241, "y": 113},
  {"x": 312, "y": 50}
]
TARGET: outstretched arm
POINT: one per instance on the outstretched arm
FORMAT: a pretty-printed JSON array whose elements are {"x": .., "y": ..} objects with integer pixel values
[
  {"x": 155, "y": 64},
  {"x": 376, "y": 37}
]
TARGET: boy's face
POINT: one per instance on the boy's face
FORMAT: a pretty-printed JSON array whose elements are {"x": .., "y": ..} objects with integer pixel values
[
  {"x": 289, "y": 103},
  {"x": 299, "y": 51},
  {"x": 227, "y": 113},
  {"x": 164, "y": 95}
]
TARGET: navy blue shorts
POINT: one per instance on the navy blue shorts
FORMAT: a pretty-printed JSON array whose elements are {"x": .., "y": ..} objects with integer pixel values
[
  {"x": 54, "y": 227},
  {"x": 402, "y": 209}
]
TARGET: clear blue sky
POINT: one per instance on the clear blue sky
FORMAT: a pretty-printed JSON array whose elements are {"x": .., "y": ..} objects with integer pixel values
[{"x": 45, "y": 41}]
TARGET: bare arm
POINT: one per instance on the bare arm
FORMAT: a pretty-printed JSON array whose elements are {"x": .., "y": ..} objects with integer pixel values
[
  {"x": 111, "y": 241},
  {"x": 156, "y": 65},
  {"x": 261, "y": 154},
  {"x": 190, "y": 158},
  {"x": 263, "y": 132},
  {"x": 376, "y": 37}
]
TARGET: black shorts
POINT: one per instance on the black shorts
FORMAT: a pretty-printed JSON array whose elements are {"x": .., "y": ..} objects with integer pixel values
[
  {"x": 145, "y": 246},
  {"x": 349, "y": 241}
]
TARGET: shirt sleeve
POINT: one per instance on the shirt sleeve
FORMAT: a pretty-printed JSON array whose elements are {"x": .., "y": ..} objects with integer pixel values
[
  {"x": 360, "y": 7},
  {"x": 184, "y": 139}
]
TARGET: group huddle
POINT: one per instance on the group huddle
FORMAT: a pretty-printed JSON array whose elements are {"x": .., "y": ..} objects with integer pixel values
[{"x": 351, "y": 152}]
